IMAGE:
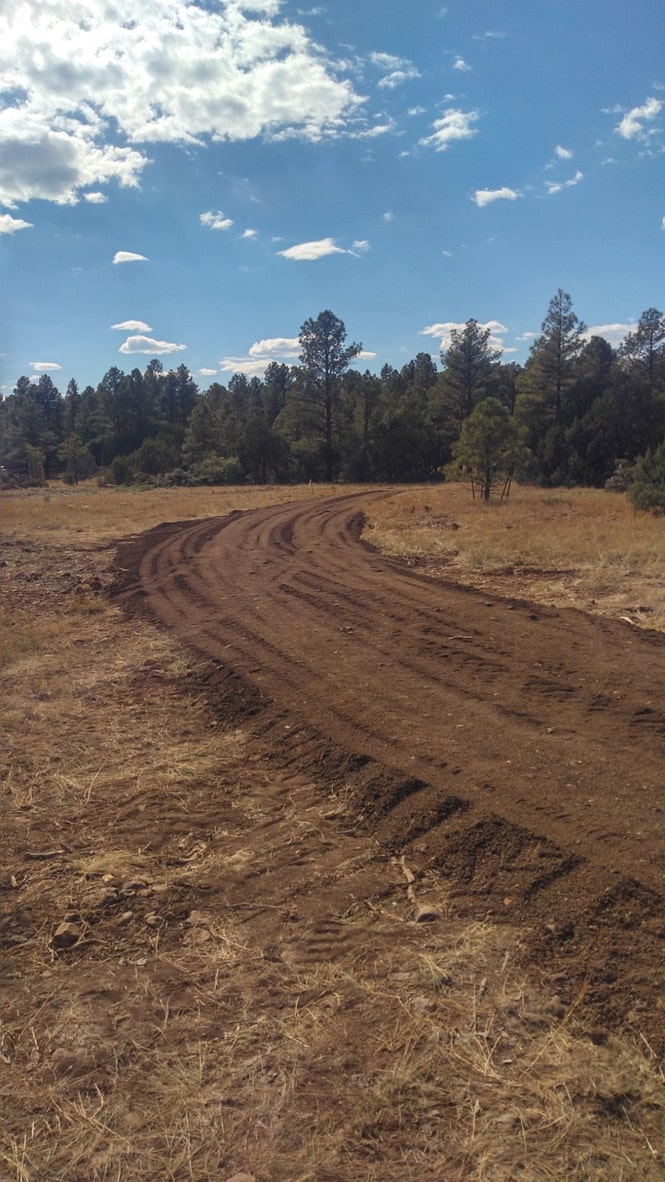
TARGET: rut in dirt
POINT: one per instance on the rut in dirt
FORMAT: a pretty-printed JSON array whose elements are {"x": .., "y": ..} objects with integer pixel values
[{"x": 516, "y": 748}]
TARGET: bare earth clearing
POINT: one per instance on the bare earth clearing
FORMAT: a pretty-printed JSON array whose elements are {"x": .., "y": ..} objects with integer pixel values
[{"x": 240, "y": 818}]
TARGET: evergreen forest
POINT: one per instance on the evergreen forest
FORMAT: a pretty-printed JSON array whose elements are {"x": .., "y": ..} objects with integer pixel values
[{"x": 579, "y": 412}]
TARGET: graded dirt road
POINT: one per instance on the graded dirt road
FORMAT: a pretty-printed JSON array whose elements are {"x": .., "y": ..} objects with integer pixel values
[{"x": 518, "y": 749}]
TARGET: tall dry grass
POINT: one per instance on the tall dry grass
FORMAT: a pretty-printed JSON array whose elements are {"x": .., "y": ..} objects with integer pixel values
[{"x": 582, "y": 548}]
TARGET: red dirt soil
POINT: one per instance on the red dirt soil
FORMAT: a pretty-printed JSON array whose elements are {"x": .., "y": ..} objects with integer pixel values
[{"x": 518, "y": 750}]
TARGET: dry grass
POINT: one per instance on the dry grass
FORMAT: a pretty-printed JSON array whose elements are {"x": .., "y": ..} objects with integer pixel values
[
  {"x": 201, "y": 1036},
  {"x": 572, "y": 548}
]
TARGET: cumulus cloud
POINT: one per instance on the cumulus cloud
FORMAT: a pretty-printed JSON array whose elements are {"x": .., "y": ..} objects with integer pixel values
[
  {"x": 249, "y": 233},
  {"x": 10, "y": 225},
  {"x": 460, "y": 64},
  {"x": 95, "y": 198},
  {"x": 45, "y": 366},
  {"x": 398, "y": 78},
  {"x": 389, "y": 216},
  {"x": 254, "y": 367},
  {"x": 128, "y": 256},
  {"x": 272, "y": 347},
  {"x": 308, "y": 251},
  {"x": 563, "y": 153},
  {"x": 142, "y": 344},
  {"x": 215, "y": 221},
  {"x": 487, "y": 196},
  {"x": 444, "y": 332},
  {"x": 86, "y": 88},
  {"x": 559, "y": 186},
  {"x": 632, "y": 127},
  {"x": 453, "y": 125},
  {"x": 613, "y": 333},
  {"x": 132, "y": 326}
]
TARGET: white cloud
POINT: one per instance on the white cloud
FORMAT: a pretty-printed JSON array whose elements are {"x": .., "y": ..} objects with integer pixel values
[
  {"x": 45, "y": 366},
  {"x": 128, "y": 256},
  {"x": 632, "y": 125},
  {"x": 141, "y": 344},
  {"x": 416, "y": 111},
  {"x": 132, "y": 326},
  {"x": 486, "y": 196},
  {"x": 249, "y": 233},
  {"x": 88, "y": 86},
  {"x": 662, "y": 224},
  {"x": 443, "y": 332},
  {"x": 453, "y": 125},
  {"x": 307, "y": 251},
  {"x": 272, "y": 347},
  {"x": 207, "y": 373},
  {"x": 215, "y": 221},
  {"x": 448, "y": 254},
  {"x": 460, "y": 64},
  {"x": 614, "y": 333},
  {"x": 95, "y": 198},
  {"x": 563, "y": 153},
  {"x": 365, "y": 355},
  {"x": 559, "y": 186},
  {"x": 398, "y": 78},
  {"x": 361, "y": 245},
  {"x": 252, "y": 366},
  {"x": 389, "y": 216},
  {"x": 10, "y": 225}
]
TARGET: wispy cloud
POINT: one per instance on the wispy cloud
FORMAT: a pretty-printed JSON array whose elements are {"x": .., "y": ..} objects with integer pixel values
[
  {"x": 132, "y": 326},
  {"x": 309, "y": 251},
  {"x": 249, "y": 233},
  {"x": 128, "y": 256},
  {"x": 215, "y": 221},
  {"x": 45, "y": 366},
  {"x": 487, "y": 196},
  {"x": 460, "y": 64},
  {"x": 95, "y": 198},
  {"x": 207, "y": 373},
  {"x": 389, "y": 216},
  {"x": 10, "y": 225},
  {"x": 361, "y": 245},
  {"x": 452, "y": 126},
  {"x": 563, "y": 153},
  {"x": 632, "y": 127},
  {"x": 142, "y": 344},
  {"x": 398, "y": 70},
  {"x": 559, "y": 186}
]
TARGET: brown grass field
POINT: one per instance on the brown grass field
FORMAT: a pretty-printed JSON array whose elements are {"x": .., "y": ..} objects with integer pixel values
[{"x": 207, "y": 972}]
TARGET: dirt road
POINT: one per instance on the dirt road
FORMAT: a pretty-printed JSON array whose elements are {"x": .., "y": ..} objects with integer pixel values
[{"x": 518, "y": 750}]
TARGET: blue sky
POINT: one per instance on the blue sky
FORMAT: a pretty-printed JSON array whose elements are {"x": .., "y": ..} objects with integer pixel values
[{"x": 193, "y": 181}]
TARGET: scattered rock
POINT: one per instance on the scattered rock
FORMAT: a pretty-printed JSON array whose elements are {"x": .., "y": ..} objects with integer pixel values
[
  {"x": 153, "y": 920},
  {"x": 108, "y": 897},
  {"x": 66, "y": 935},
  {"x": 126, "y": 917},
  {"x": 427, "y": 913}
]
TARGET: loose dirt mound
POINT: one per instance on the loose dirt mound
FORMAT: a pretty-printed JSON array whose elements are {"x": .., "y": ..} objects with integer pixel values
[{"x": 517, "y": 750}]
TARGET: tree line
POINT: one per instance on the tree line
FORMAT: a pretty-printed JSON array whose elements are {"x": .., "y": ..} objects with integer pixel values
[{"x": 579, "y": 412}]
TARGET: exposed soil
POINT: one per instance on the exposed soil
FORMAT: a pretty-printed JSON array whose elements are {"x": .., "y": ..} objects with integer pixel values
[{"x": 514, "y": 751}]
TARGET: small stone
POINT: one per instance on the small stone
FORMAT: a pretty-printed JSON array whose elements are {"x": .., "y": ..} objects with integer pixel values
[
  {"x": 427, "y": 913},
  {"x": 66, "y": 935},
  {"x": 126, "y": 917},
  {"x": 153, "y": 920},
  {"x": 423, "y": 1005},
  {"x": 135, "y": 884},
  {"x": 108, "y": 897}
]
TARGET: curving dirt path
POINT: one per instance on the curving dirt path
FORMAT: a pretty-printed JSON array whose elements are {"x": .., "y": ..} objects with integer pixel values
[{"x": 517, "y": 749}]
